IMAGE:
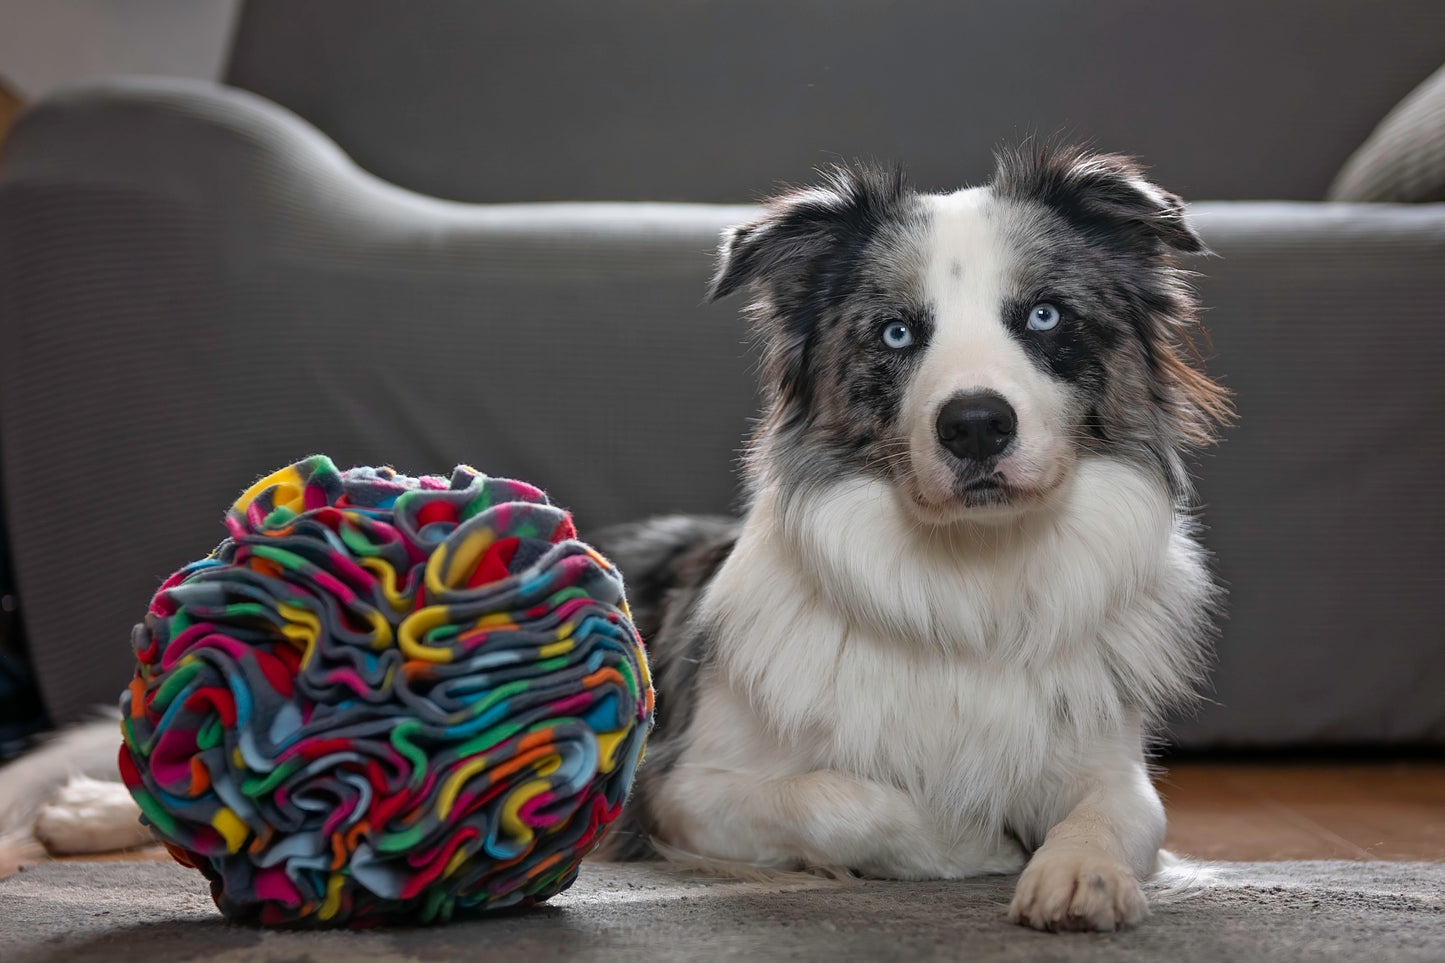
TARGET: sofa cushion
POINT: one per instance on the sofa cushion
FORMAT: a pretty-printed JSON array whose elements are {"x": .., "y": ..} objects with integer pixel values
[{"x": 1403, "y": 160}]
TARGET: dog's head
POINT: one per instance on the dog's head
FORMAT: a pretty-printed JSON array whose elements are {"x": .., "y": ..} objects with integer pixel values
[{"x": 971, "y": 347}]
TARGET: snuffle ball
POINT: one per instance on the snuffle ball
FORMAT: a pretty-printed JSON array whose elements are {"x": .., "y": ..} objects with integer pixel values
[{"x": 386, "y": 699}]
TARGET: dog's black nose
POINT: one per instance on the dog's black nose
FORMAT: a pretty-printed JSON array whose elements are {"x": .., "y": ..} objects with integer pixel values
[{"x": 976, "y": 426}]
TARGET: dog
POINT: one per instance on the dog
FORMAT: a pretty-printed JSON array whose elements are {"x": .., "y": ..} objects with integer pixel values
[{"x": 967, "y": 585}]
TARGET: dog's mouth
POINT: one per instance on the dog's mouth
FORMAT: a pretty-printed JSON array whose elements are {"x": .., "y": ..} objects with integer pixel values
[
  {"x": 989, "y": 491},
  {"x": 992, "y": 483}
]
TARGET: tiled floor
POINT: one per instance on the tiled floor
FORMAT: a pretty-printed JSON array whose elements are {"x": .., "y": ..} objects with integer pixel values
[{"x": 1259, "y": 811}]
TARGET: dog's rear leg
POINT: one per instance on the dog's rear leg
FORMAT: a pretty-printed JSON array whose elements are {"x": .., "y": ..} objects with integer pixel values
[
  {"x": 91, "y": 816},
  {"x": 67, "y": 793},
  {"x": 822, "y": 819},
  {"x": 735, "y": 794}
]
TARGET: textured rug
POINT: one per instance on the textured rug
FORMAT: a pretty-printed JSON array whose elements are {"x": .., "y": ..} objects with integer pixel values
[{"x": 1306, "y": 911}]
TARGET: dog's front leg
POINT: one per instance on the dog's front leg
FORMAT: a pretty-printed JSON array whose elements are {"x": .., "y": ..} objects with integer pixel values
[{"x": 1086, "y": 874}]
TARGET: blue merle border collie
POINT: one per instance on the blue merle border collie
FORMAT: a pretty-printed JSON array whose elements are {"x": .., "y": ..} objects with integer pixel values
[{"x": 967, "y": 582}]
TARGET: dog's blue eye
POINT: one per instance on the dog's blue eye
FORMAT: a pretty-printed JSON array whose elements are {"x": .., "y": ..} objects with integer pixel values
[
  {"x": 897, "y": 335},
  {"x": 1043, "y": 317}
]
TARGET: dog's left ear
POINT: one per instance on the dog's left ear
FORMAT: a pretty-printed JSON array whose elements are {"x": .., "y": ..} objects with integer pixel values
[{"x": 1106, "y": 192}]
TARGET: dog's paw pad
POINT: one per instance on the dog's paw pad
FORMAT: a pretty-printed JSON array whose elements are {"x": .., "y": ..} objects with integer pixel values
[{"x": 1077, "y": 890}]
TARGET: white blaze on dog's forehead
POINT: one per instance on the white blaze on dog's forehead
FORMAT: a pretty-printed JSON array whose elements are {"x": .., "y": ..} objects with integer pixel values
[
  {"x": 966, "y": 261},
  {"x": 970, "y": 347},
  {"x": 963, "y": 246}
]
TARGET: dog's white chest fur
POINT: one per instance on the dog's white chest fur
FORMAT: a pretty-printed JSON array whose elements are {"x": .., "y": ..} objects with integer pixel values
[
  {"x": 961, "y": 735},
  {"x": 971, "y": 671}
]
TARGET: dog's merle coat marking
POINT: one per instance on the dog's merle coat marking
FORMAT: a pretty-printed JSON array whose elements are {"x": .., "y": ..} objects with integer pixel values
[
  {"x": 1108, "y": 395},
  {"x": 668, "y": 561}
]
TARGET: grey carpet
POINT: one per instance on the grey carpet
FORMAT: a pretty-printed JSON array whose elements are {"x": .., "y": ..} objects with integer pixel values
[{"x": 1306, "y": 911}]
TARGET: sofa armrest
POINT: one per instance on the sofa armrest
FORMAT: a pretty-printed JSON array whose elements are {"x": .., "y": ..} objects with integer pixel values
[
  {"x": 197, "y": 287},
  {"x": 1324, "y": 505}
]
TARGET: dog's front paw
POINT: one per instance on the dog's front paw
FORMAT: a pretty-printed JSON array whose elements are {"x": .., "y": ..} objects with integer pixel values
[{"x": 1077, "y": 889}]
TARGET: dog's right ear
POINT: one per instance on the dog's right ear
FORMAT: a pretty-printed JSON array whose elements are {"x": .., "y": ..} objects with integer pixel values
[{"x": 803, "y": 225}]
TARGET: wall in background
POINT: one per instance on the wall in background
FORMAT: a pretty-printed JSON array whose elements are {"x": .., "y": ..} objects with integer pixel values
[{"x": 44, "y": 43}]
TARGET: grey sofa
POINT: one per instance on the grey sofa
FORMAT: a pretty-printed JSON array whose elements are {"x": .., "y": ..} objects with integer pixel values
[{"x": 198, "y": 283}]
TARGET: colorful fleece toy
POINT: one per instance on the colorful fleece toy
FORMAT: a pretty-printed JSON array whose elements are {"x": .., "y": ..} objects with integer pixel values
[{"x": 386, "y": 699}]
